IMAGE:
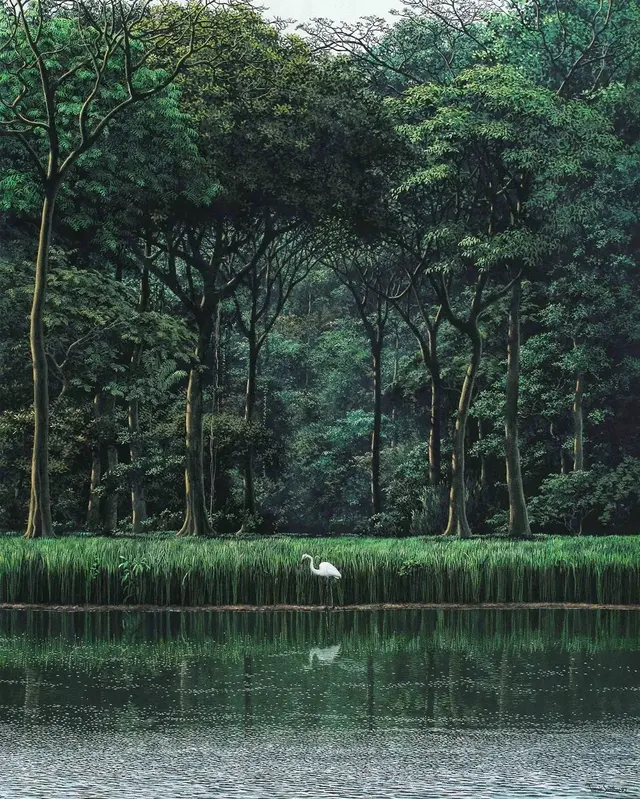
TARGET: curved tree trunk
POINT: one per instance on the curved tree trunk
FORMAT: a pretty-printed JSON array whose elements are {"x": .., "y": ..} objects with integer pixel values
[
  {"x": 458, "y": 523},
  {"x": 40, "y": 522},
  {"x": 376, "y": 491},
  {"x": 518, "y": 516},
  {"x": 196, "y": 521}
]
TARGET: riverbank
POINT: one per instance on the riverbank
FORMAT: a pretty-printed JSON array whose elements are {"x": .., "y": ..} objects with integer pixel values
[{"x": 167, "y": 571}]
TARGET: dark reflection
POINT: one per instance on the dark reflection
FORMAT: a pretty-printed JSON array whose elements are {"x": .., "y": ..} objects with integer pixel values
[
  {"x": 422, "y": 668},
  {"x": 370, "y": 697},
  {"x": 531, "y": 701},
  {"x": 248, "y": 701}
]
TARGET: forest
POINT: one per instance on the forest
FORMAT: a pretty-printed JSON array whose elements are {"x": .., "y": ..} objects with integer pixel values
[{"x": 370, "y": 278}]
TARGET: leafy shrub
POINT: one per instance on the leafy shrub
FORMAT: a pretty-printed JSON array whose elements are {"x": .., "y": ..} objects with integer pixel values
[
  {"x": 430, "y": 517},
  {"x": 606, "y": 499}
]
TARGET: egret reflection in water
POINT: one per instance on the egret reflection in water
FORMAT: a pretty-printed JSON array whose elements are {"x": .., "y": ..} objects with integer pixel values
[{"x": 419, "y": 703}]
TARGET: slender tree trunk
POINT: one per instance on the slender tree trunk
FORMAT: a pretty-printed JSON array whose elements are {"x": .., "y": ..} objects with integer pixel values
[
  {"x": 394, "y": 434},
  {"x": 215, "y": 408},
  {"x": 196, "y": 521},
  {"x": 110, "y": 504},
  {"x": 376, "y": 492},
  {"x": 40, "y": 522},
  {"x": 564, "y": 465},
  {"x": 578, "y": 424},
  {"x": 249, "y": 409},
  {"x": 458, "y": 524},
  {"x": 138, "y": 500},
  {"x": 93, "y": 510},
  {"x": 518, "y": 516},
  {"x": 483, "y": 462},
  {"x": 430, "y": 358},
  {"x": 435, "y": 456}
]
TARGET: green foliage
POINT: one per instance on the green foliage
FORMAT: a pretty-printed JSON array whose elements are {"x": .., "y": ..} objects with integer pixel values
[
  {"x": 167, "y": 571},
  {"x": 458, "y": 155},
  {"x": 608, "y": 499}
]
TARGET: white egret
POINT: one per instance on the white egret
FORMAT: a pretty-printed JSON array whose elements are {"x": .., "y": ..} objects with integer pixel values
[{"x": 326, "y": 570}]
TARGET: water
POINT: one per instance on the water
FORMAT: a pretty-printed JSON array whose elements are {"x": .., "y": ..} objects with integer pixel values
[{"x": 470, "y": 704}]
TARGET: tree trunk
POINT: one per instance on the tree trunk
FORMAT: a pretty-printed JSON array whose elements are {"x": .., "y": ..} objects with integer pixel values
[
  {"x": 196, "y": 521},
  {"x": 435, "y": 457},
  {"x": 376, "y": 492},
  {"x": 578, "y": 424},
  {"x": 93, "y": 509},
  {"x": 458, "y": 524},
  {"x": 483, "y": 462},
  {"x": 215, "y": 408},
  {"x": 518, "y": 516},
  {"x": 396, "y": 348},
  {"x": 40, "y": 522},
  {"x": 138, "y": 500},
  {"x": 110, "y": 504},
  {"x": 249, "y": 408},
  {"x": 430, "y": 360}
]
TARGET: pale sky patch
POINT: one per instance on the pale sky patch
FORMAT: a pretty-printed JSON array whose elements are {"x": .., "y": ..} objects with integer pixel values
[{"x": 342, "y": 10}]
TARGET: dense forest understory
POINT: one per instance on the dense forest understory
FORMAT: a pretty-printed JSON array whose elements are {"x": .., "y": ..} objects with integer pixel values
[{"x": 363, "y": 279}]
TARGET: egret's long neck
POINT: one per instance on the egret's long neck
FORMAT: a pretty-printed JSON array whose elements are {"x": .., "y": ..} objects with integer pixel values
[{"x": 311, "y": 566}]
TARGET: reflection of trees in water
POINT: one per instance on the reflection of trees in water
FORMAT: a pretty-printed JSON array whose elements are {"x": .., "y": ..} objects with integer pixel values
[
  {"x": 370, "y": 697},
  {"x": 168, "y": 634},
  {"x": 427, "y": 667},
  {"x": 248, "y": 700},
  {"x": 32, "y": 683}
]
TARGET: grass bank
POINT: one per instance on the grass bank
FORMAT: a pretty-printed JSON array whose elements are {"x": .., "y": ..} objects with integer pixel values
[{"x": 172, "y": 571}]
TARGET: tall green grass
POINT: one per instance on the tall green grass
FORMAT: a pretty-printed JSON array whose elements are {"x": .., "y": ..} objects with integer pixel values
[{"x": 168, "y": 571}]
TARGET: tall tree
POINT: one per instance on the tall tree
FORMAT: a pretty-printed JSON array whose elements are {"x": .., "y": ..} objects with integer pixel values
[
  {"x": 505, "y": 152},
  {"x": 108, "y": 57},
  {"x": 259, "y": 302},
  {"x": 365, "y": 271}
]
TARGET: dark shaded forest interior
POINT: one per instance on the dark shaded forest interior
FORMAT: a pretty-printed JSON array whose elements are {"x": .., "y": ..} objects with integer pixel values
[{"x": 358, "y": 279}]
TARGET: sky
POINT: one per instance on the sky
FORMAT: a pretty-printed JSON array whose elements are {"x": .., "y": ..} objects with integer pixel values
[{"x": 343, "y": 10}]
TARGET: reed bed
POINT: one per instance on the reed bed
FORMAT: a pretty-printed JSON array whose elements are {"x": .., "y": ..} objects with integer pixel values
[{"x": 172, "y": 571}]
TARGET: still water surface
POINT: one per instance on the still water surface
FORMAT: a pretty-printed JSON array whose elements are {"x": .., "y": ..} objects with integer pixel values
[{"x": 468, "y": 704}]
